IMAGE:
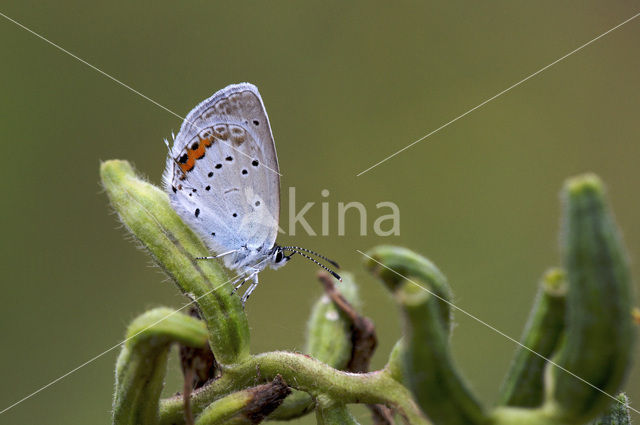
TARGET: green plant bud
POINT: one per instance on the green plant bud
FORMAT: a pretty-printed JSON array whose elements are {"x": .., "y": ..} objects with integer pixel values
[
  {"x": 395, "y": 367},
  {"x": 328, "y": 340},
  {"x": 401, "y": 262},
  {"x": 141, "y": 366},
  {"x": 146, "y": 212},
  {"x": 618, "y": 413},
  {"x": 328, "y": 331},
  {"x": 599, "y": 330},
  {"x": 524, "y": 383},
  {"x": 245, "y": 407},
  {"x": 329, "y": 412}
]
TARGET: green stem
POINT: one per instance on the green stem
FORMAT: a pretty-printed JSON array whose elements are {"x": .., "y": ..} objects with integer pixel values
[
  {"x": 328, "y": 340},
  {"x": 421, "y": 291},
  {"x": 141, "y": 366},
  {"x": 524, "y": 383},
  {"x": 428, "y": 366},
  {"x": 146, "y": 212},
  {"x": 303, "y": 373},
  {"x": 401, "y": 262}
]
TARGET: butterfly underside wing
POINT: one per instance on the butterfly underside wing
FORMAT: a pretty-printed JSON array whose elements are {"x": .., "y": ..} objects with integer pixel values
[{"x": 222, "y": 174}]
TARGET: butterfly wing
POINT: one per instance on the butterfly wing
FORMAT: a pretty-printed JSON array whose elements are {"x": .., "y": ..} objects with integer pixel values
[{"x": 222, "y": 173}]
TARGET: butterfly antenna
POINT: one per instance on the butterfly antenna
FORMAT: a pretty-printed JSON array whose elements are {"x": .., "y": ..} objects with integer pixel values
[
  {"x": 334, "y": 274},
  {"x": 297, "y": 248}
]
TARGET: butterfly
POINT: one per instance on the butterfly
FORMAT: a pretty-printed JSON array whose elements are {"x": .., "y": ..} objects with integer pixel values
[{"x": 223, "y": 180}]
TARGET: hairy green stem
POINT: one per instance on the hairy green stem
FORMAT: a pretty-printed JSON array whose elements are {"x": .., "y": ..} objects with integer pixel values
[
  {"x": 328, "y": 340},
  {"x": 146, "y": 212},
  {"x": 429, "y": 369},
  {"x": 303, "y": 373},
  {"x": 141, "y": 366},
  {"x": 424, "y": 353},
  {"x": 404, "y": 262}
]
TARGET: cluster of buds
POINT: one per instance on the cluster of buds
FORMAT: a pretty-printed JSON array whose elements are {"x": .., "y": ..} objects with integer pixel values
[{"x": 575, "y": 351}]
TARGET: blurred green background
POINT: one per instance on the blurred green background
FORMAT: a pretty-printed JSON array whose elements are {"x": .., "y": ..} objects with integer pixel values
[{"x": 345, "y": 85}]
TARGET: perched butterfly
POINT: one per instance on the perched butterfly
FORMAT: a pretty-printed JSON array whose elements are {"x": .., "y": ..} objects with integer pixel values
[{"x": 223, "y": 180}]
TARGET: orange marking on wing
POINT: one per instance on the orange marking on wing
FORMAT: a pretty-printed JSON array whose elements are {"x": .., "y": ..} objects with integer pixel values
[
  {"x": 188, "y": 166},
  {"x": 198, "y": 153},
  {"x": 193, "y": 154}
]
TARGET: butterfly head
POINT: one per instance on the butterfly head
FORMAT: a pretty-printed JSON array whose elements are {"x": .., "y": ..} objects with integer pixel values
[{"x": 278, "y": 257}]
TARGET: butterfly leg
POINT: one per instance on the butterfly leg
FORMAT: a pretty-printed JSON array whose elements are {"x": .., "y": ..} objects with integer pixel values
[
  {"x": 241, "y": 281},
  {"x": 251, "y": 288}
]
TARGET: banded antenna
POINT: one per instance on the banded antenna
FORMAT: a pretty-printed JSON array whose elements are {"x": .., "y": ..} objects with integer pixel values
[
  {"x": 334, "y": 274},
  {"x": 297, "y": 248}
]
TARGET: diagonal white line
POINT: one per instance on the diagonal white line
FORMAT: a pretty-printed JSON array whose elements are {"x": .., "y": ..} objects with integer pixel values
[
  {"x": 114, "y": 79},
  {"x": 500, "y": 94},
  {"x": 477, "y": 319},
  {"x": 112, "y": 348}
]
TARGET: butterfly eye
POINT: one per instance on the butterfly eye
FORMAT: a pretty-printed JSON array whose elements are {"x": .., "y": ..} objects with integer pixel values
[{"x": 278, "y": 256}]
